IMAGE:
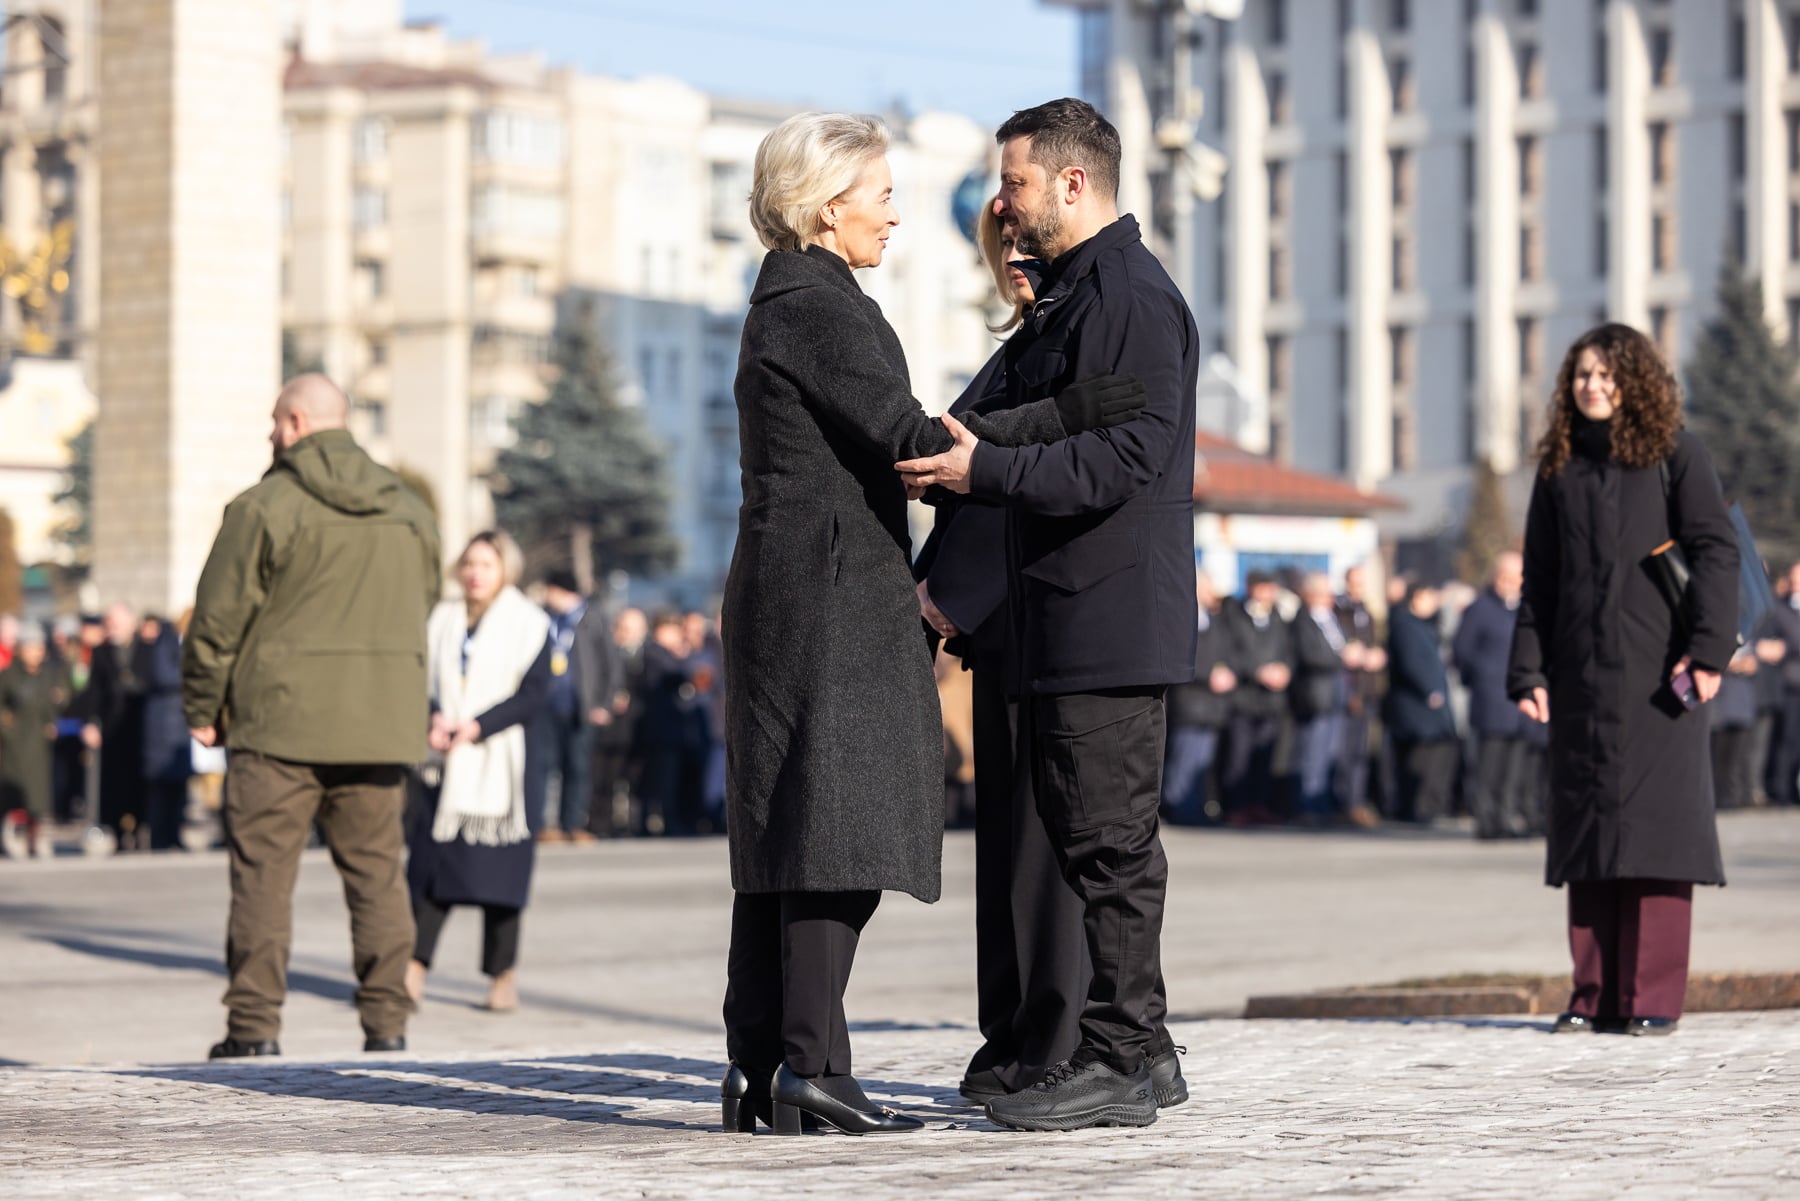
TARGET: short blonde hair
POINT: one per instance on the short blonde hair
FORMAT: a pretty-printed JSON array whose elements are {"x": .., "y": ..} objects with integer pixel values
[
  {"x": 512, "y": 559},
  {"x": 801, "y": 166},
  {"x": 993, "y": 254}
]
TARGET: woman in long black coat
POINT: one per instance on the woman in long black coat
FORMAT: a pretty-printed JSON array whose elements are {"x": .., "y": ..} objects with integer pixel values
[
  {"x": 833, "y": 733},
  {"x": 1417, "y": 707},
  {"x": 1601, "y": 655}
]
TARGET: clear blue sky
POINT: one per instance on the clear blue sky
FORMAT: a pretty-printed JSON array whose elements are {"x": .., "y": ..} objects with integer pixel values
[{"x": 983, "y": 58}]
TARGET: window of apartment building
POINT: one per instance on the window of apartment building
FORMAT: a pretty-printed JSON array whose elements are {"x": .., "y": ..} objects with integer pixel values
[
  {"x": 1602, "y": 243},
  {"x": 1278, "y": 364},
  {"x": 1602, "y": 164},
  {"x": 1340, "y": 182},
  {"x": 1527, "y": 8},
  {"x": 1341, "y": 263},
  {"x": 727, "y": 200},
  {"x": 1343, "y": 86},
  {"x": 510, "y": 209},
  {"x": 1399, "y": 15},
  {"x": 1402, "y": 177},
  {"x": 370, "y": 418},
  {"x": 1793, "y": 140},
  {"x": 371, "y": 140},
  {"x": 1468, "y": 169},
  {"x": 1600, "y": 54},
  {"x": 371, "y": 279},
  {"x": 1793, "y": 321},
  {"x": 369, "y": 208},
  {"x": 1401, "y": 80},
  {"x": 647, "y": 371},
  {"x": 1280, "y": 106},
  {"x": 375, "y": 352},
  {"x": 1793, "y": 42},
  {"x": 1662, "y": 153},
  {"x": 1469, "y": 80},
  {"x": 1405, "y": 447},
  {"x": 1740, "y": 233},
  {"x": 1662, "y": 57},
  {"x": 1662, "y": 241},
  {"x": 1403, "y": 272},
  {"x": 1277, "y": 21},
  {"x": 56, "y": 69},
  {"x": 1531, "y": 71},
  {"x": 1531, "y": 347},
  {"x": 1340, "y": 359},
  {"x": 524, "y": 280},
  {"x": 1278, "y": 273},
  {"x": 527, "y": 139},
  {"x": 493, "y": 421},
  {"x": 1470, "y": 253},
  {"x": 1737, "y": 136},
  {"x": 1531, "y": 252},
  {"x": 1793, "y": 232},
  {"x": 1531, "y": 167},
  {"x": 1400, "y": 356},
  {"x": 1346, "y": 15},
  {"x": 1735, "y": 45},
  {"x": 284, "y": 208},
  {"x": 1279, "y": 199},
  {"x": 1466, "y": 330}
]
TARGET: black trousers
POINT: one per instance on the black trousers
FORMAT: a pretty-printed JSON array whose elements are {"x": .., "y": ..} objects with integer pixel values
[
  {"x": 1506, "y": 787},
  {"x": 1096, "y": 766},
  {"x": 1784, "y": 751},
  {"x": 786, "y": 973},
  {"x": 500, "y": 925},
  {"x": 1350, "y": 777},
  {"x": 1734, "y": 774},
  {"x": 1031, "y": 962},
  {"x": 1249, "y": 776},
  {"x": 1427, "y": 772}
]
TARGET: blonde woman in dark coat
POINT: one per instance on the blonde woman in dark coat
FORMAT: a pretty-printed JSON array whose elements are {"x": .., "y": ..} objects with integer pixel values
[
  {"x": 833, "y": 732},
  {"x": 1602, "y": 657}
]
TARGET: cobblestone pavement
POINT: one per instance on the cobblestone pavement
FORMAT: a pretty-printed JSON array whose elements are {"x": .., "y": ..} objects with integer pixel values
[
  {"x": 604, "y": 1084},
  {"x": 1466, "y": 1109}
]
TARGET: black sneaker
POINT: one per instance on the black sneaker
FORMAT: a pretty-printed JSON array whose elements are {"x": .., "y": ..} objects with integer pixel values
[
  {"x": 233, "y": 1048},
  {"x": 1075, "y": 1095},
  {"x": 379, "y": 1044},
  {"x": 1165, "y": 1074}
]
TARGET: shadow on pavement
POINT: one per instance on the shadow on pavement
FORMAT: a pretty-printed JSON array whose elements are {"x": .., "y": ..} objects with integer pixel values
[{"x": 599, "y": 1089}]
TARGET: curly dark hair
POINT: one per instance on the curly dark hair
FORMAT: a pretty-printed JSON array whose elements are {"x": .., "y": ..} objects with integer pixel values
[{"x": 1649, "y": 401}]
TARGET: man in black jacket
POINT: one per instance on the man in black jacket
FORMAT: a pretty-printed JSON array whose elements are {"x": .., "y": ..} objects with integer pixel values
[
  {"x": 1260, "y": 647},
  {"x": 1100, "y": 550},
  {"x": 1320, "y": 688},
  {"x": 1367, "y": 675},
  {"x": 1509, "y": 749}
]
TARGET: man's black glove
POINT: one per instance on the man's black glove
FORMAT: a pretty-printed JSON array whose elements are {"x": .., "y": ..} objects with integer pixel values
[{"x": 1100, "y": 402}]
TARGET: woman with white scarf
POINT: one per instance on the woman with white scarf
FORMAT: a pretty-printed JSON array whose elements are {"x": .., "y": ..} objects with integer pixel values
[{"x": 470, "y": 844}]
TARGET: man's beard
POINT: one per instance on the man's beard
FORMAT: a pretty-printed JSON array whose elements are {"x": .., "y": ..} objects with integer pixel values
[{"x": 1038, "y": 233}]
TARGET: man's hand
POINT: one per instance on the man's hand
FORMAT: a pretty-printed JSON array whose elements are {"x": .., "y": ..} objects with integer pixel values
[
  {"x": 440, "y": 734},
  {"x": 1221, "y": 678},
  {"x": 1355, "y": 654},
  {"x": 90, "y": 736},
  {"x": 1375, "y": 659},
  {"x": 1706, "y": 683},
  {"x": 600, "y": 717},
  {"x": 1536, "y": 706},
  {"x": 205, "y": 735},
  {"x": 950, "y": 469},
  {"x": 1274, "y": 676},
  {"x": 934, "y": 616},
  {"x": 1771, "y": 650}
]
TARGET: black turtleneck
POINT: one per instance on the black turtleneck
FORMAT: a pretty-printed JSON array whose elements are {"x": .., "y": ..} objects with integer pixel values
[{"x": 1592, "y": 439}]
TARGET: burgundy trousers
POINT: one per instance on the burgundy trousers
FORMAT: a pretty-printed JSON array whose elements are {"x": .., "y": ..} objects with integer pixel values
[{"x": 1629, "y": 940}]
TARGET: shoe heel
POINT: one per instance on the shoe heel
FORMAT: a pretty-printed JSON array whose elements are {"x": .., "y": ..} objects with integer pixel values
[
  {"x": 786, "y": 1118},
  {"x": 737, "y": 1116}
]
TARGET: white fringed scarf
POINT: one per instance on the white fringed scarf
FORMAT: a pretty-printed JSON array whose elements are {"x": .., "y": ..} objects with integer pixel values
[{"x": 482, "y": 800}]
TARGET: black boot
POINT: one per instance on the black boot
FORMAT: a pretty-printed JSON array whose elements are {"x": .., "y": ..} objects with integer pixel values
[
  {"x": 233, "y": 1048},
  {"x": 838, "y": 1101}
]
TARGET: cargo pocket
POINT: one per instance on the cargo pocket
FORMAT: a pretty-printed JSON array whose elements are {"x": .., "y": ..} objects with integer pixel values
[{"x": 1099, "y": 759}]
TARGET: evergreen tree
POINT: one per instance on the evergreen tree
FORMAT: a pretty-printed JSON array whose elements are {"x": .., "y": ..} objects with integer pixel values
[
  {"x": 77, "y": 495},
  {"x": 1487, "y": 529},
  {"x": 1744, "y": 403},
  {"x": 294, "y": 362},
  {"x": 584, "y": 486}
]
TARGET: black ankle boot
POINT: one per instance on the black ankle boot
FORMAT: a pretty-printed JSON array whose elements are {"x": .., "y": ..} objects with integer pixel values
[{"x": 743, "y": 1098}]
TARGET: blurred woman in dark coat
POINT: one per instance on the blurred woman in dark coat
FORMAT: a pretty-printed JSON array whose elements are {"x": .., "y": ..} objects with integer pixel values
[
  {"x": 168, "y": 748},
  {"x": 1417, "y": 707},
  {"x": 1601, "y": 655},
  {"x": 833, "y": 736}
]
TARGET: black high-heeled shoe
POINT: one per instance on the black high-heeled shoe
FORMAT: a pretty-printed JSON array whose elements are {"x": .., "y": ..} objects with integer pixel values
[
  {"x": 743, "y": 1097},
  {"x": 794, "y": 1098}
]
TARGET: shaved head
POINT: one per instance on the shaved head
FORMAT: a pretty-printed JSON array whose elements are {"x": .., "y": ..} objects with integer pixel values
[{"x": 306, "y": 405}]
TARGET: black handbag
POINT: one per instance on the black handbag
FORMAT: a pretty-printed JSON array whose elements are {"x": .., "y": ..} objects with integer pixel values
[{"x": 1668, "y": 567}]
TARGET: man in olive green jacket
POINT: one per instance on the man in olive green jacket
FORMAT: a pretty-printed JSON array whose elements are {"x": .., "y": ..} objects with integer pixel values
[{"x": 306, "y": 657}]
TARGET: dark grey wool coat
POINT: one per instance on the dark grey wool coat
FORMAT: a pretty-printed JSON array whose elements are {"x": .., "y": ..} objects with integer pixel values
[
  {"x": 1630, "y": 768},
  {"x": 834, "y": 742}
]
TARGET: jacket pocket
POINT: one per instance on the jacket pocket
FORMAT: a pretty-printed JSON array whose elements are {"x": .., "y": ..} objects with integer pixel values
[{"x": 1081, "y": 564}]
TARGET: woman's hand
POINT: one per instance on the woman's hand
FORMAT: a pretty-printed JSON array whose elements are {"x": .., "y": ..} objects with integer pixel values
[
  {"x": 438, "y": 737},
  {"x": 467, "y": 734},
  {"x": 1536, "y": 706},
  {"x": 1706, "y": 683}
]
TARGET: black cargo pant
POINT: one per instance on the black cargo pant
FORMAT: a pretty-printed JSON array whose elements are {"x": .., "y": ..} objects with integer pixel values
[{"x": 1096, "y": 764}]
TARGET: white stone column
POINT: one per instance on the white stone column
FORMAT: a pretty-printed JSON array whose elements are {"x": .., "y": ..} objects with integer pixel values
[
  {"x": 1370, "y": 453},
  {"x": 1628, "y": 171},
  {"x": 1766, "y": 173},
  {"x": 189, "y": 101},
  {"x": 1247, "y": 225},
  {"x": 1496, "y": 244}
]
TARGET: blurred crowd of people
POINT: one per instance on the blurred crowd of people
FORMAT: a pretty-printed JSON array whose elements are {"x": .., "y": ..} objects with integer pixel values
[
  {"x": 92, "y": 733},
  {"x": 1312, "y": 707}
]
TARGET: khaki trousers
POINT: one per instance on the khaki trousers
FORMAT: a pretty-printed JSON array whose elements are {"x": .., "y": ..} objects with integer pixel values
[{"x": 270, "y": 805}]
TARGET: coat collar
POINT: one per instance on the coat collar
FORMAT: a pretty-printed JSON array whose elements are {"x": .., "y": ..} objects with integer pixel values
[
  {"x": 790, "y": 270},
  {"x": 1075, "y": 264}
]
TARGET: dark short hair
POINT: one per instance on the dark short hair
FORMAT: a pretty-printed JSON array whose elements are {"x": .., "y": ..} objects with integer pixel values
[
  {"x": 1256, "y": 578},
  {"x": 665, "y": 617},
  {"x": 562, "y": 578},
  {"x": 1069, "y": 133}
]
